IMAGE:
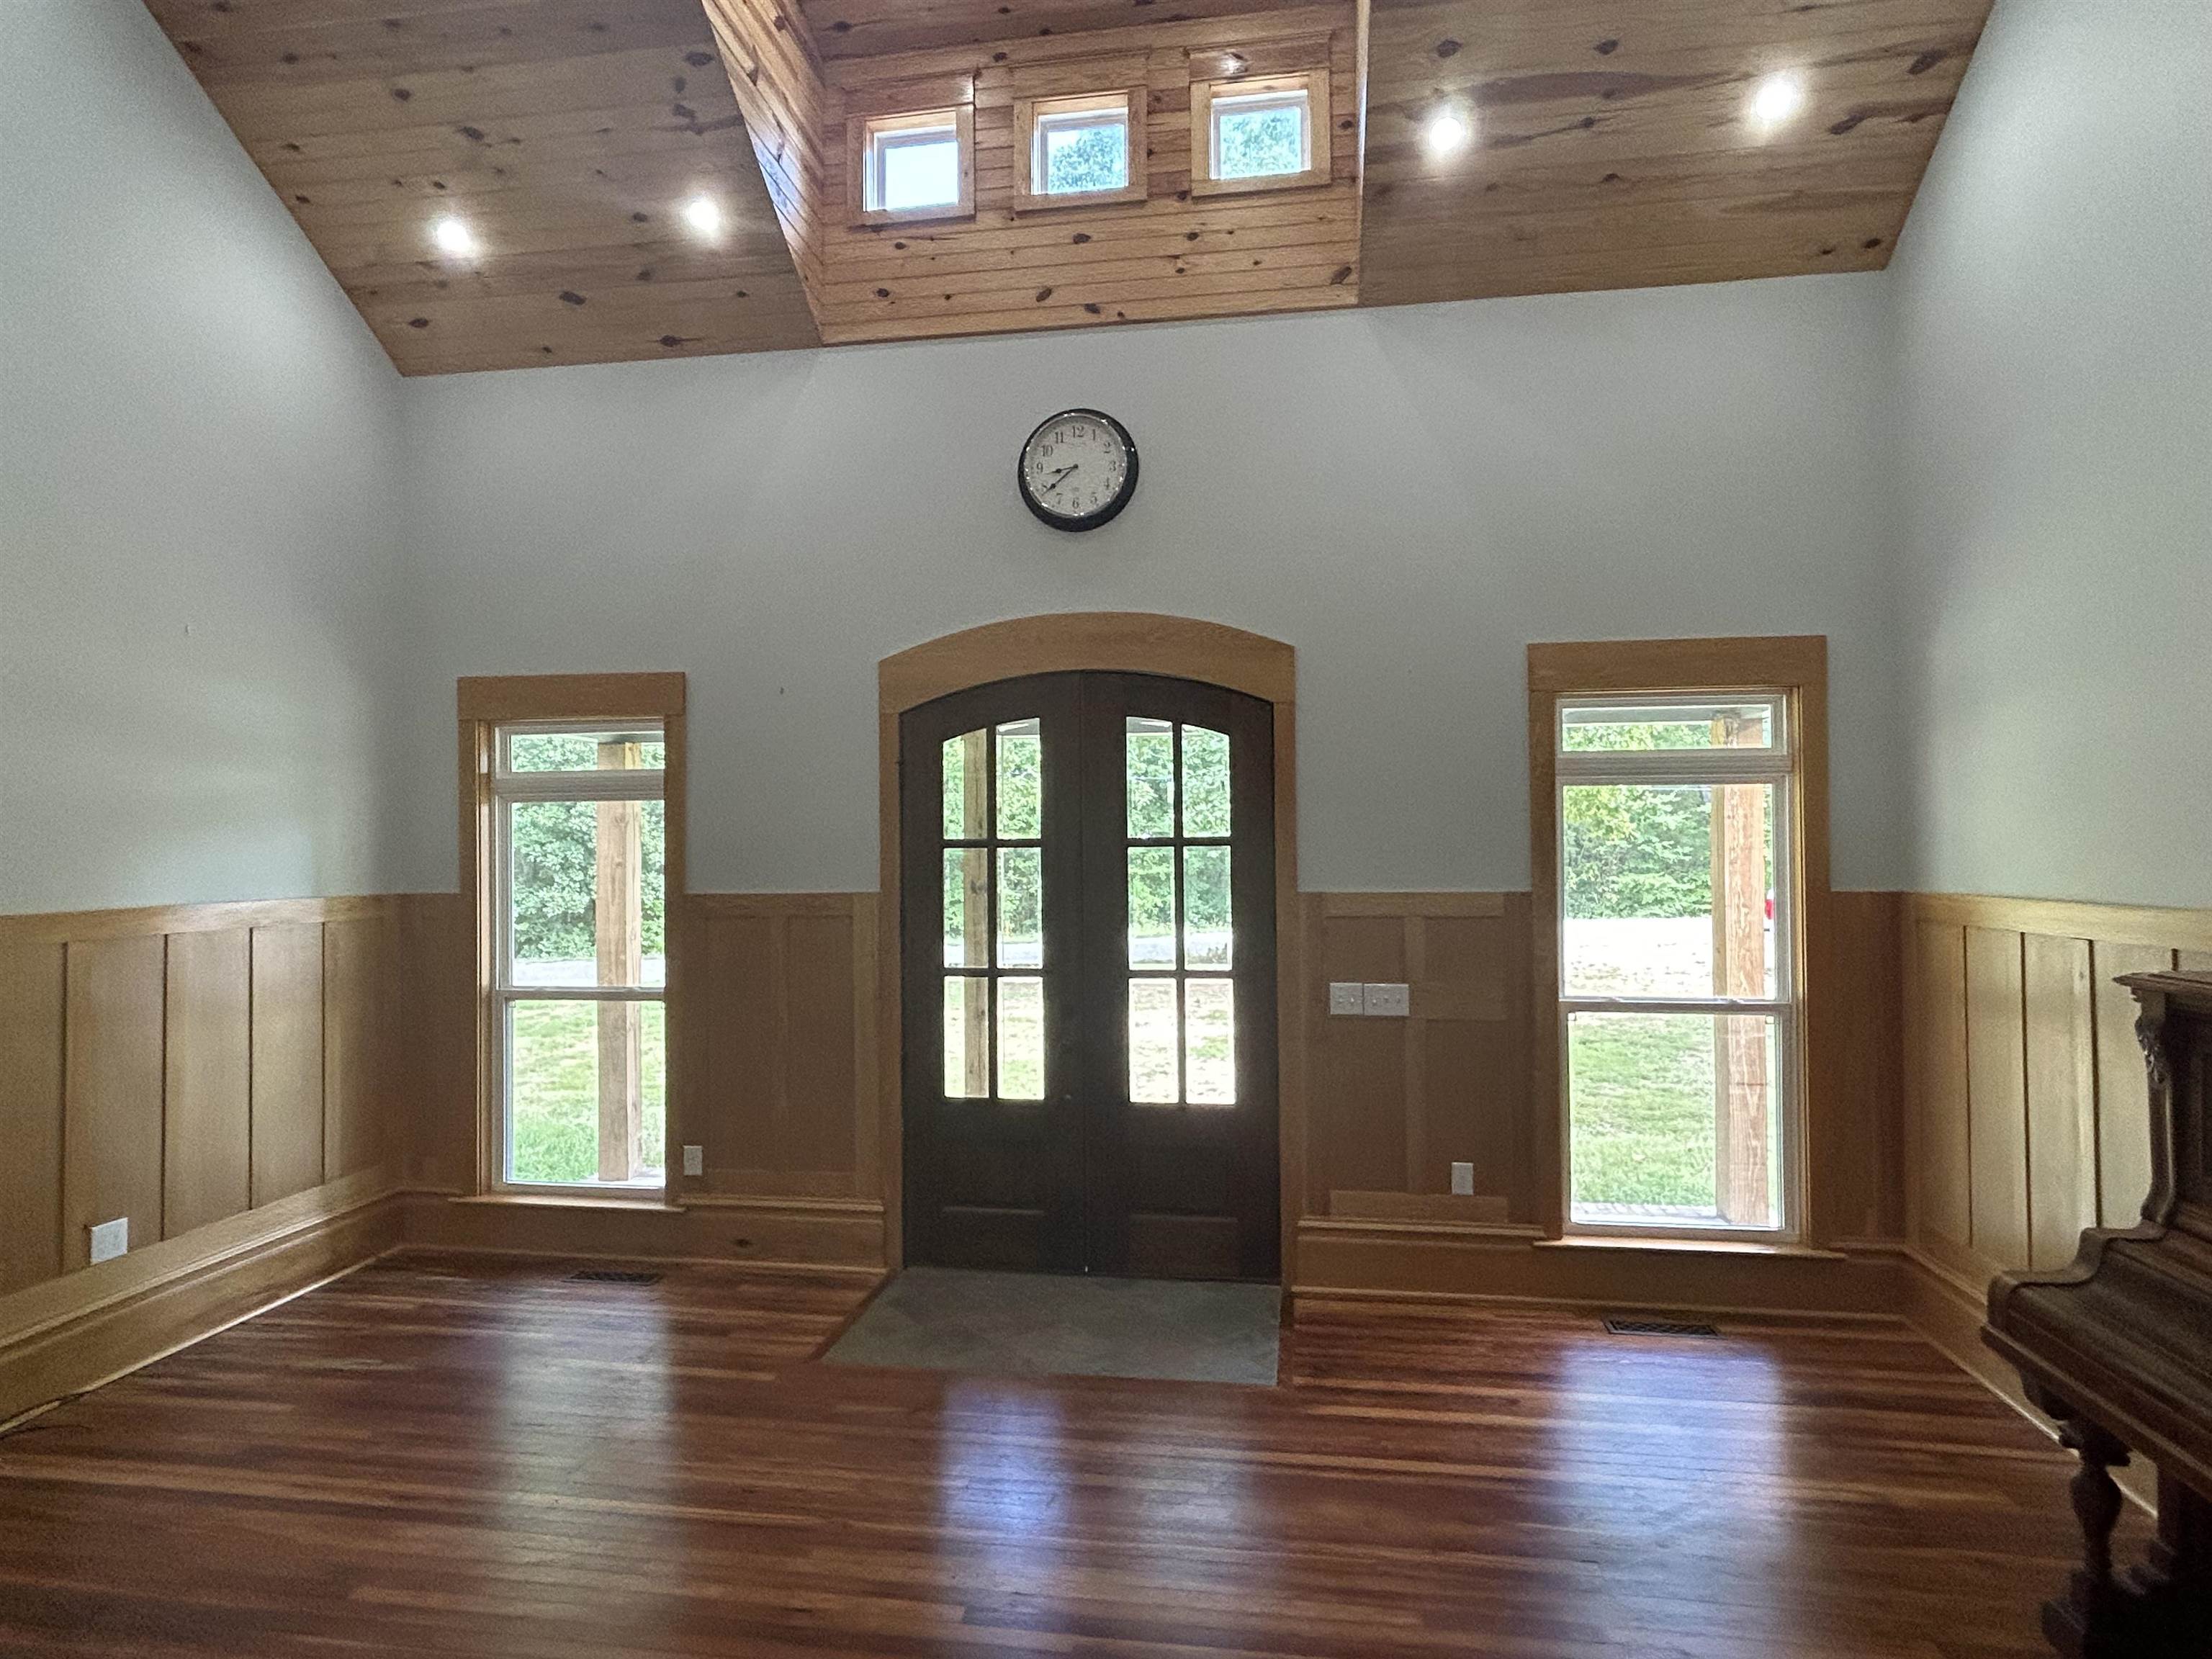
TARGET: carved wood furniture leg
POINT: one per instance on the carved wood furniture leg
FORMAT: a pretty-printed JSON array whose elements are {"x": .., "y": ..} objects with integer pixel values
[{"x": 2085, "y": 1623}]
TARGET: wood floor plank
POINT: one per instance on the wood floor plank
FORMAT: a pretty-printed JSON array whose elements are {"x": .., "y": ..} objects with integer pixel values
[{"x": 468, "y": 1457}]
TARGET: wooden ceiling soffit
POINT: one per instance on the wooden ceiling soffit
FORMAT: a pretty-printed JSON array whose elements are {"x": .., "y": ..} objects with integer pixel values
[
  {"x": 1615, "y": 148},
  {"x": 566, "y": 135}
]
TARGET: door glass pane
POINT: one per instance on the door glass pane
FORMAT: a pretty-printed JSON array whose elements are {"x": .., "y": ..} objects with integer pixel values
[
  {"x": 587, "y": 1092},
  {"x": 1153, "y": 1039},
  {"x": 1021, "y": 907},
  {"x": 1021, "y": 751},
  {"x": 1151, "y": 779},
  {"x": 1209, "y": 1039},
  {"x": 967, "y": 1037},
  {"x": 1151, "y": 907},
  {"x": 967, "y": 894},
  {"x": 1205, "y": 914},
  {"x": 1639, "y": 863},
  {"x": 1205, "y": 781},
  {"x": 585, "y": 892},
  {"x": 1676, "y": 1119},
  {"x": 1754, "y": 724},
  {"x": 965, "y": 783},
  {"x": 1021, "y": 1039}
]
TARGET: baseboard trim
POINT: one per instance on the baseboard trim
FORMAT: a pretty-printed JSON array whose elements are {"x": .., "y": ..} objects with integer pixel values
[
  {"x": 796, "y": 1234},
  {"x": 69, "y": 1335},
  {"x": 1948, "y": 1310},
  {"x": 1340, "y": 1256}
]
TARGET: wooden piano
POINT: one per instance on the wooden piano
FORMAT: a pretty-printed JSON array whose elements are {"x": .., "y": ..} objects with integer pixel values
[{"x": 2118, "y": 1348}]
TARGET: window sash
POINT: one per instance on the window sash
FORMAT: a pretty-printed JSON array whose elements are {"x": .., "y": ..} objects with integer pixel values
[
  {"x": 1262, "y": 103},
  {"x": 883, "y": 141}
]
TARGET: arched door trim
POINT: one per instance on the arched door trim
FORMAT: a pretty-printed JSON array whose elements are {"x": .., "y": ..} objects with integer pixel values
[{"x": 1134, "y": 642}]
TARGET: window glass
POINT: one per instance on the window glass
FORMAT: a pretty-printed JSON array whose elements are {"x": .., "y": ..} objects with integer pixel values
[
  {"x": 1611, "y": 727},
  {"x": 585, "y": 751},
  {"x": 914, "y": 168},
  {"x": 586, "y": 1091},
  {"x": 1676, "y": 1120},
  {"x": 1079, "y": 152},
  {"x": 1154, "y": 1038},
  {"x": 1639, "y": 863},
  {"x": 1021, "y": 1039},
  {"x": 587, "y": 893},
  {"x": 1210, "y": 1041},
  {"x": 1259, "y": 135}
]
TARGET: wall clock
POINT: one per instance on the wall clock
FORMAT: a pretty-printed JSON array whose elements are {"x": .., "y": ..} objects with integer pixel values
[{"x": 1078, "y": 470}]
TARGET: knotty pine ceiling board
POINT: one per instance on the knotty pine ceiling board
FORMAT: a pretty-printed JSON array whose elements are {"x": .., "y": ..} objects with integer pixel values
[
  {"x": 1613, "y": 147},
  {"x": 567, "y": 133},
  {"x": 871, "y": 28}
]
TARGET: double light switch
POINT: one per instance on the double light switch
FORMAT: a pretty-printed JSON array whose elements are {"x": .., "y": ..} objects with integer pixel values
[{"x": 1388, "y": 1001}]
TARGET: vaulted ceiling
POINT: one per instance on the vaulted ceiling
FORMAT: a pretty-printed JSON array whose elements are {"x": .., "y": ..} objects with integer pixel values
[{"x": 1614, "y": 146}]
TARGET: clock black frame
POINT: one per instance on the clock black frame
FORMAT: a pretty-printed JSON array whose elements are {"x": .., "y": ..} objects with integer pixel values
[{"x": 1097, "y": 516}]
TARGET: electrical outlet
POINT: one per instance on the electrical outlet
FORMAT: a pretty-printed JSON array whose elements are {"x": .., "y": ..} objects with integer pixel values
[
  {"x": 111, "y": 1238},
  {"x": 695, "y": 1160},
  {"x": 1390, "y": 1002},
  {"x": 1463, "y": 1180},
  {"x": 1346, "y": 997}
]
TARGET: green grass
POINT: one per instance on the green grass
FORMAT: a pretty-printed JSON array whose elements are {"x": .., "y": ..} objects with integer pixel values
[
  {"x": 1642, "y": 1103},
  {"x": 555, "y": 1088}
]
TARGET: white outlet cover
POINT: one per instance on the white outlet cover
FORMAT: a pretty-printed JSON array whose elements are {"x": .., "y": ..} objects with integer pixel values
[
  {"x": 695, "y": 1160},
  {"x": 1463, "y": 1180},
  {"x": 1347, "y": 997},
  {"x": 1392, "y": 1001},
  {"x": 111, "y": 1238}
]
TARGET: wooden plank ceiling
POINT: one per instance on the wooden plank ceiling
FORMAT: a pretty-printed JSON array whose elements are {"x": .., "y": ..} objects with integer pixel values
[{"x": 1613, "y": 147}]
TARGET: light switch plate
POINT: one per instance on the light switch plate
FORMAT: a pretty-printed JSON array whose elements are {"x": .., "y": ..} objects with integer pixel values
[
  {"x": 1463, "y": 1180},
  {"x": 1391, "y": 1001},
  {"x": 1346, "y": 997},
  {"x": 111, "y": 1238},
  {"x": 695, "y": 1160}
]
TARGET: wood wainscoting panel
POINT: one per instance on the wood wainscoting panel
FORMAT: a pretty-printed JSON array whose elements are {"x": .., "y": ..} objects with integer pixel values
[
  {"x": 1856, "y": 1131},
  {"x": 787, "y": 1100},
  {"x": 1392, "y": 1103},
  {"x": 287, "y": 1061},
  {"x": 1997, "y": 1096},
  {"x": 112, "y": 1127},
  {"x": 32, "y": 979},
  {"x": 2026, "y": 1091},
  {"x": 208, "y": 1122},
  {"x": 2062, "y": 1095},
  {"x": 168, "y": 1063}
]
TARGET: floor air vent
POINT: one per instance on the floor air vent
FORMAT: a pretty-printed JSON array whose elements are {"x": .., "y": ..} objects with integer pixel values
[
  {"x": 1658, "y": 1327},
  {"x": 612, "y": 1276}
]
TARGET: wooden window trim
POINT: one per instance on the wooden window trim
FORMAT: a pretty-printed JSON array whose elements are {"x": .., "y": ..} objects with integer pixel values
[
  {"x": 484, "y": 703},
  {"x": 1320, "y": 132},
  {"x": 1794, "y": 667},
  {"x": 1129, "y": 100},
  {"x": 860, "y": 133}
]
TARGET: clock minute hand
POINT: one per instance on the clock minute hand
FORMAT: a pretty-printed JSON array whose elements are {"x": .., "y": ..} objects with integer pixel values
[{"x": 1054, "y": 484}]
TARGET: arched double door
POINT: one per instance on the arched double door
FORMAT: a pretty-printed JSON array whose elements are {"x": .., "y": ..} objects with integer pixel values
[{"x": 1089, "y": 978}]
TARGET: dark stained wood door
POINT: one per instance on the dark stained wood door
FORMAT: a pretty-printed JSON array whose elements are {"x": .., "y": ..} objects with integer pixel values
[{"x": 1088, "y": 955}]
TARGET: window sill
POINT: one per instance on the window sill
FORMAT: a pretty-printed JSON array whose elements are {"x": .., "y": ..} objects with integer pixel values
[
  {"x": 1752, "y": 1246},
  {"x": 569, "y": 1201}
]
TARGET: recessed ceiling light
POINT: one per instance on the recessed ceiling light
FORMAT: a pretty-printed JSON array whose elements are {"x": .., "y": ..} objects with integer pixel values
[
  {"x": 704, "y": 215},
  {"x": 453, "y": 237},
  {"x": 1777, "y": 99},
  {"x": 1447, "y": 131}
]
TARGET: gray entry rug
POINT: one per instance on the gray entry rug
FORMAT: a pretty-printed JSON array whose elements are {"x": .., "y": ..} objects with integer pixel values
[{"x": 1048, "y": 1324}]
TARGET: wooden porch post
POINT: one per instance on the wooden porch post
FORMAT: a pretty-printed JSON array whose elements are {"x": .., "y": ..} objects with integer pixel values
[
  {"x": 618, "y": 891},
  {"x": 1742, "y": 1189}
]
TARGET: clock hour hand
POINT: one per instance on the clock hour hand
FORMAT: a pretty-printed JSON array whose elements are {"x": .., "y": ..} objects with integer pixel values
[{"x": 1053, "y": 482}]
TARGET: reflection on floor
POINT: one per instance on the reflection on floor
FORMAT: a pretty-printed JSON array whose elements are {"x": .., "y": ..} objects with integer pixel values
[
  {"x": 1056, "y": 1325},
  {"x": 465, "y": 1457}
]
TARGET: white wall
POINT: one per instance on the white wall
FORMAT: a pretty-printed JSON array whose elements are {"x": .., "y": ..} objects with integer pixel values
[
  {"x": 2051, "y": 293},
  {"x": 198, "y": 519},
  {"x": 1409, "y": 497}
]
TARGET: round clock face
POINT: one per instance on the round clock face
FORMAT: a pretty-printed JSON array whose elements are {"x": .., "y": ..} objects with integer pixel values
[{"x": 1078, "y": 470}]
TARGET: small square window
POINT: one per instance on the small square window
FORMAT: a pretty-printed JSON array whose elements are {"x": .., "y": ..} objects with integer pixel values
[
  {"x": 1260, "y": 134},
  {"x": 919, "y": 166},
  {"x": 1074, "y": 150}
]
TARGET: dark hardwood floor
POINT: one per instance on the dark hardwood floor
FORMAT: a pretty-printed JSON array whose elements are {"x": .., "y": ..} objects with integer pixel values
[{"x": 472, "y": 1457}]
